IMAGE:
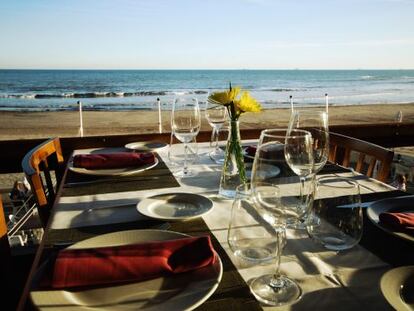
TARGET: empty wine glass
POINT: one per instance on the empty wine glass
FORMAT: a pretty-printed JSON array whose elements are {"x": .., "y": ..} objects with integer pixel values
[
  {"x": 176, "y": 155},
  {"x": 273, "y": 289},
  {"x": 299, "y": 157},
  {"x": 216, "y": 116},
  {"x": 185, "y": 125},
  {"x": 270, "y": 166},
  {"x": 315, "y": 122}
]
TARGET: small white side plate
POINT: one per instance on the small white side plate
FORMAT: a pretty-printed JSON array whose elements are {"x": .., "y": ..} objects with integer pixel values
[
  {"x": 113, "y": 172},
  {"x": 146, "y": 145},
  {"x": 175, "y": 206},
  {"x": 396, "y": 284}
]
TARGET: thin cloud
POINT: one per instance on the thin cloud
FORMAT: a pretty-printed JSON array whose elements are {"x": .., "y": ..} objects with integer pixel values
[{"x": 365, "y": 43}]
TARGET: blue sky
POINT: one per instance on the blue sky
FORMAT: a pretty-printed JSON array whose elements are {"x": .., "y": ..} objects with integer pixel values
[{"x": 207, "y": 34}]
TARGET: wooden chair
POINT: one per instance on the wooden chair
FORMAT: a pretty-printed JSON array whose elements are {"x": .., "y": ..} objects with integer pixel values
[
  {"x": 5, "y": 253},
  {"x": 14, "y": 269},
  {"x": 341, "y": 148},
  {"x": 36, "y": 162}
]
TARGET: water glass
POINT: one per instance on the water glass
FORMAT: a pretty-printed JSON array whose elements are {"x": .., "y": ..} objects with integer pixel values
[
  {"x": 251, "y": 238},
  {"x": 337, "y": 213},
  {"x": 177, "y": 155},
  {"x": 216, "y": 116},
  {"x": 315, "y": 122},
  {"x": 185, "y": 125}
]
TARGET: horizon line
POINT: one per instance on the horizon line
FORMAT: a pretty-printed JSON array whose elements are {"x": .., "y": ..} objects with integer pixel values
[{"x": 204, "y": 69}]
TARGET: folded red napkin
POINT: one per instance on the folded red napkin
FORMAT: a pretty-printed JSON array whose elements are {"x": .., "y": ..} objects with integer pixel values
[
  {"x": 404, "y": 221},
  {"x": 112, "y": 160},
  {"x": 138, "y": 262},
  {"x": 251, "y": 150}
]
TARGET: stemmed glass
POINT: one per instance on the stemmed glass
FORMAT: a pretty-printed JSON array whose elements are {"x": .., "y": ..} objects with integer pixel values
[
  {"x": 185, "y": 125},
  {"x": 216, "y": 116},
  {"x": 299, "y": 157},
  {"x": 273, "y": 289},
  {"x": 272, "y": 186},
  {"x": 270, "y": 166},
  {"x": 315, "y": 122}
]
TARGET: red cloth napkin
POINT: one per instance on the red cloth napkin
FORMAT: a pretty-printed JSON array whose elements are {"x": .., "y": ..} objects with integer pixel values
[
  {"x": 251, "y": 150},
  {"x": 112, "y": 160},
  {"x": 403, "y": 221},
  {"x": 138, "y": 262}
]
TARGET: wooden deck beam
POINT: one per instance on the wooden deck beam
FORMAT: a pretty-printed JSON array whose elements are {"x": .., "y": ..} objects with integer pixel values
[{"x": 13, "y": 151}]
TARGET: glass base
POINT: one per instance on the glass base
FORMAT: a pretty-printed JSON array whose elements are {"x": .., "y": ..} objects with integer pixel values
[
  {"x": 227, "y": 193},
  {"x": 284, "y": 292},
  {"x": 182, "y": 174},
  {"x": 217, "y": 156}
]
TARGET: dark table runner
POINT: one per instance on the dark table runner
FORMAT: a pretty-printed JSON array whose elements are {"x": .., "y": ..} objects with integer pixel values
[
  {"x": 392, "y": 250},
  {"x": 158, "y": 177},
  {"x": 232, "y": 293}
]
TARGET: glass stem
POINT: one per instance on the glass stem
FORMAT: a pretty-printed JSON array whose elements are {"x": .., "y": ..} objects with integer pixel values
[
  {"x": 216, "y": 147},
  {"x": 302, "y": 197},
  {"x": 277, "y": 283},
  {"x": 213, "y": 136},
  {"x": 185, "y": 170}
]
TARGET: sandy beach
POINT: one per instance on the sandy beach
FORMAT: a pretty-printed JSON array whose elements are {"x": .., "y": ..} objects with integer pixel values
[{"x": 24, "y": 125}]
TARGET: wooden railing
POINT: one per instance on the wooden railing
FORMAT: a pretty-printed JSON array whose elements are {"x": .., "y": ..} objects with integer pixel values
[{"x": 13, "y": 151}]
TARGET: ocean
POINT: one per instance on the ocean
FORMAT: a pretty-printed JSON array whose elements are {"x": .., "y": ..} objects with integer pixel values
[{"x": 59, "y": 90}]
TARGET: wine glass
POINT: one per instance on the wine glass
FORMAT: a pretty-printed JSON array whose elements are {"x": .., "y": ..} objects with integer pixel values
[
  {"x": 299, "y": 156},
  {"x": 216, "y": 116},
  {"x": 270, "y": 166},
  {"x": 316, "y": 122},
  {"x": 176, "y": 155},
  {"x": 273, "y": 289},
  {"x": 185, "y": 125}
]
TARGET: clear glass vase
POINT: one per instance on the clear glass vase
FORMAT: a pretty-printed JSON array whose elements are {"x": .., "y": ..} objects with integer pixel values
[{"x": 233, "y": 173}]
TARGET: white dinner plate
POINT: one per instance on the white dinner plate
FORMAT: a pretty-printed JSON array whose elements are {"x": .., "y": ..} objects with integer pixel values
[
  {"x": 175, "y": 206},
  {"x": 399, "y": 204},
  {"x": 146, "y": 145},
  {"x": 113, "y": 172},
  {"x": 184, "y": 291},
  {"x": 397, "y": 286}
]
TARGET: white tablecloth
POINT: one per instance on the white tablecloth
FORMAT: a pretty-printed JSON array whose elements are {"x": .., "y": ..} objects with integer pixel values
[{"x": 330, "y": 281}]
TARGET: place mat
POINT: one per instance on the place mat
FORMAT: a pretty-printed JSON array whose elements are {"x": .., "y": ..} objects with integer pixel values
[
  {"x": 158, "y": 177},
  {"x": 232, "y": 293}
]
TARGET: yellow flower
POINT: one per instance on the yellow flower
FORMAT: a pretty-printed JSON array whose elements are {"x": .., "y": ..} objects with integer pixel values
[
  {"x": 226, "y": 97},
  {"x": 246, "y": 103}
]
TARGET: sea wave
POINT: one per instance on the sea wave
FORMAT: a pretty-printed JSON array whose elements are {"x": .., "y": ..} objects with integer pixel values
[
  {"x": 75, "y": 107},
  {"x": 100, "y": 94},
  {"x": 278, "y": 89}
]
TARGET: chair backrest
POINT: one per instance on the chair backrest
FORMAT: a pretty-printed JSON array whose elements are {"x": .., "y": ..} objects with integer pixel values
[
  {"x": 341, "y": 148},
  {"x": 34, "y": 163},
  {"x": 4, "y": 240}
]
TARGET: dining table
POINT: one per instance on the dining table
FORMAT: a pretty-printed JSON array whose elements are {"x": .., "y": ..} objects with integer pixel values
[{"x": 92, "y": 206}]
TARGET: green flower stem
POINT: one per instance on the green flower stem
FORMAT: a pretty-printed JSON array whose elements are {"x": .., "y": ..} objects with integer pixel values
[{"x": 236, "y": 149}]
